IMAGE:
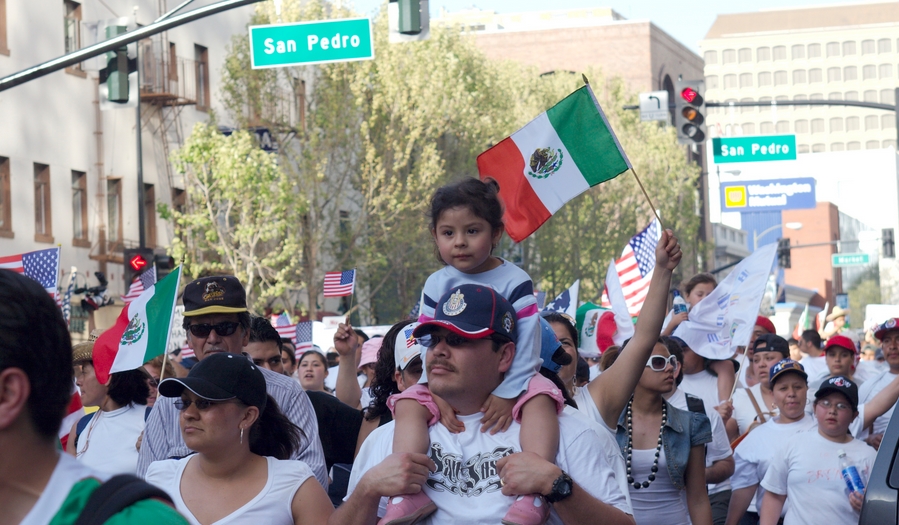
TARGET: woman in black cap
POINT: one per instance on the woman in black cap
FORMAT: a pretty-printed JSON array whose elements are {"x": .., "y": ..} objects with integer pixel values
[{"x": 241, "y": 470}]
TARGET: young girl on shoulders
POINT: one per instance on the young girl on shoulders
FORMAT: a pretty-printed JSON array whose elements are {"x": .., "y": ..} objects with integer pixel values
[{"x": 466, "y": 223}]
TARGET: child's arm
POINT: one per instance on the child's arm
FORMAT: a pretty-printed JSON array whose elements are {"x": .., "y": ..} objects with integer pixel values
[
  {"x": 411, "y": 434},
  {"x": 540, "y": 427},
  {"x": 727, "y": 376}
]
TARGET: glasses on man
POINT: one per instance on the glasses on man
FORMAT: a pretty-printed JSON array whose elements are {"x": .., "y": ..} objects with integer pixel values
[
  {"x": 659, "y": 363},
  {"x": 201, "y": 404},
  {"x": 826, "y": 403},
  {"x": 223, "y": 329},
  {"x": 451, "y": 339}
]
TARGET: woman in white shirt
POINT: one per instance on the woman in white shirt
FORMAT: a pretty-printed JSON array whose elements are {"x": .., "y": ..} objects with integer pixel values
[{"x": 233, "y": 424}]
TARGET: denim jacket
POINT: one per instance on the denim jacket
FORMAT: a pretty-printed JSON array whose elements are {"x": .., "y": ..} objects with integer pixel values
[{"x": 683, "y": 431}]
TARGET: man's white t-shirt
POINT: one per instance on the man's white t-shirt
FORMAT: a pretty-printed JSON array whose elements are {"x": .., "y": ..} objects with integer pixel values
[
  {"x": 866, "y": 393},
  {"x": 807, "y": 470},
  {"x": 466, "y": 485},
  {"x": 67, "y": 473},
  {"x": 109, "y": 442},
  {"x": 719, "y": 447},
  {"x": 815, "y": 367},
  {"x": 753, "y": 455},
  {"x": 703, "y": 385},
  {"x": 744, "y": 411}
]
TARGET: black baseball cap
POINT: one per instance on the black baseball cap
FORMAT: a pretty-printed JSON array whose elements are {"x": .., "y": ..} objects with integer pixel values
[
  {"x": 221, "y": 377},
  {"x": 211, "y": 295},
  {"x": 842, "y": 385},
  {"x": 474, "y": 311},
  {"x": 772, "y": 343}
]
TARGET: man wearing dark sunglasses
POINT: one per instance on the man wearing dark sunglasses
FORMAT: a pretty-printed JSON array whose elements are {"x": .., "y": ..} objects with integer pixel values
[
  {"x": 469, "y": 475},
  {"x": 216, "y": 321}
]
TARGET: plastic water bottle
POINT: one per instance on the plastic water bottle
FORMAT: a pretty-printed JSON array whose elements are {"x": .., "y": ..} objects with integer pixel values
[
  {"x": 680, "y": 306},
  {"x": 850, "y": 474}
]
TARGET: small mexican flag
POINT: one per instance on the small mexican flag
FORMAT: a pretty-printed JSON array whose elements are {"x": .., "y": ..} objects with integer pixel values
[
  {"x": 803, "y": 324},
  {"x": 556, "y": 157},
  {"x": 141, "y": 331}
]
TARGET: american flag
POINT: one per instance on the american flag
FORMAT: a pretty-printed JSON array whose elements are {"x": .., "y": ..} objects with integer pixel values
[
  {"x": 635, "y": 267},
  {"x": 66, "y": 304},
  {"x": 415, "y": 311},
  {"x": 284, "y": 327},
  {"x": 303, "y": 339},
  {"x": 339, "y": 284},
  {"x": 140, "y": 283},
  {"x": 42, "y": 266},
  {"x": 407, "y": 333},
  {"x": 187, "y": 351}
]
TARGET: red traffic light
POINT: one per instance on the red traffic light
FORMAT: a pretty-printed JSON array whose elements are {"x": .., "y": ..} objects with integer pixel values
[
  {"x": 137, "y": 262},
  {"x": 689, "y": 94}
]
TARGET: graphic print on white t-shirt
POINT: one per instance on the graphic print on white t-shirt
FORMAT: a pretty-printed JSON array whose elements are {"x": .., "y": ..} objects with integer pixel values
[{"x": 466, "y": 477}]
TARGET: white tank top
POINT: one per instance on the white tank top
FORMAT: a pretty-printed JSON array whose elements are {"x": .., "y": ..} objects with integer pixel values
[
  {"x": 271, "y": 506},
  {"x": 109, "y": 442},
  {"x": 660, "y": 498}
]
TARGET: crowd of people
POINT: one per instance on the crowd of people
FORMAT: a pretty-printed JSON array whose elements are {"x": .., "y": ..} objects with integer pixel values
[{"x": 481, "y": 410}]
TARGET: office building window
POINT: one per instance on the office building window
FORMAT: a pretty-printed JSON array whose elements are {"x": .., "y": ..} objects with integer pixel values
[
  {"x": 43, "y": 215},
  {"x": 114, "y": 214},
  {"x": 780, "y": 78},
  {"x": 883, "y": 45},
  {"x": 814, "y": 50},
  {"x": 799, "y": 76},
  {"x": 848, "y": 48},
  {"x": 851, "y": 146},
  {"x": 870, "y": 95},
  {"x": 5, "y": 199},
  {"x": 817, "y": 125},
  {"x": 887, "y": 96},
  {"x": 4, "y": 50},
  {"x": 851, "y": 95},
  {"x": 150, "y": 215},
  {"x": 764, "y": 100},
  {"x": 869, "y": 72},
  {"x": 711, "y": 57},
  {"x": 801, "y": 126},
  {"x": 836, "y": 95},
  {"x": 779, "y": 52},
  {"x": 867, "y": 47},
  {"x": 834, "y": 74},
  {"x": 802, "y": 148},
  {"x": 836, "y": 124},
  {"x": 745, "y": 80},
  {"x": 766, "y": 128},
  {"x": 782, "y": 127},
  {"x": 852, "y": 123},
  {"x": 72, "y": 32},
  {"x": 850, "y": 73},
  {"x": 885, "y": 70},
  {"x": 747, "y": 109},
  {"x": 711, "y": 82},
  {"x": 730, "y": 81},
  {"x": 745, "y": 55},
  {"x": 763, "y": 54},
  {"x": 784, "y": 98},
  {"x": 748, "y": 128},
  {"x": 816, "y": 96},
  {"x": 833, "y": 49},
  {"x": 179, "y": 200},
  {"x": 301, "y": 101},
  {"x": 79, "y": 208},
  {"x": 201, "y": 62},
  {"x": 837, "y": 146},
  {"x": 818, "y": 148},
  {"x": 872, "y": 144},
  {"x": 890, "y": 143},
  {"x": 797, "y": 51},
  {"x": 871, "y": 122},
  {"x": 765, "y": 78},
  {"x": 815, "y": 75},
  {"x": 888, "y": 122},
  {"x": 729, "y": 56},
  {"x": 173, "y": 62}
]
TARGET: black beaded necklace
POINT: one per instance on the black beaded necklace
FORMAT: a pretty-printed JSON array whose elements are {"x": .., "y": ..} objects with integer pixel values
[{"x": 630, "y": 446}]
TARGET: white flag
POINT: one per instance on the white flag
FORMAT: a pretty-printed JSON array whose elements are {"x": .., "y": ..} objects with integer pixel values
[
  {"x": 619, "y": 306},
  {"x": 724, "y": 319}
]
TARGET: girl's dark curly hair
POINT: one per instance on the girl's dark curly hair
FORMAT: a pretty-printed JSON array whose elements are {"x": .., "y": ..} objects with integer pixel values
[{"x": 384, "y": 385}]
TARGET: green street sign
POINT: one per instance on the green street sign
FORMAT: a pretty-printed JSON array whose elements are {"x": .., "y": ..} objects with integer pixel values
[
  {"x": 281, "y": 45},
  {"x": 849, "y": 259},
  {"x": 754, "y": 149}
]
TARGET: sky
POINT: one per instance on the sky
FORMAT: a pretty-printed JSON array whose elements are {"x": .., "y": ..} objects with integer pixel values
[{"x": 687, "y": 21}]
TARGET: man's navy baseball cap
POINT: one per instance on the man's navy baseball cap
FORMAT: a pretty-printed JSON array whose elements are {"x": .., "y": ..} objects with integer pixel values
[{"x": 474, "y": 311}]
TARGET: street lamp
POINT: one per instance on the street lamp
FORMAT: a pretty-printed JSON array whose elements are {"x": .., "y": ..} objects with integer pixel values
[{"x": 756, "y": 236}]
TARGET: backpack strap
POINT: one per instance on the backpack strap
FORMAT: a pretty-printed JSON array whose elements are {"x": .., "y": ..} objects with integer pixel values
[
  {"x": 755, "y": 404},
  {"x": 82, "y": 424},
  {"x": 695, "y": 404},
  {"x": 117, "y": 494}
]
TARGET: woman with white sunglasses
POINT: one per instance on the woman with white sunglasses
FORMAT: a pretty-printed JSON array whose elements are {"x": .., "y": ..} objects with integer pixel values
[{"x": 664, "y": 449}]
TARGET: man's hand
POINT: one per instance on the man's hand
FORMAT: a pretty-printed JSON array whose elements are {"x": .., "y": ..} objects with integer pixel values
[
  {"x": 668, "y": 252},
  {"x": 345, "y": 340},
  {"x": 874, "y": 440},
  {"x": 497, "y": 414},
  {"x": 400, "y": 473},
  {"x": 526, "y": 473},
  {"x": 725, "y": 410}
]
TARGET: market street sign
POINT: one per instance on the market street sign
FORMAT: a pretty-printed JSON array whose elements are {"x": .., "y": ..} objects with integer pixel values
[
  {"x": 849, "y": 259},
  {"x": 768, "y": 195},
  {"x": 319, "y": 42},
  {"x": 754, "y": 149}
]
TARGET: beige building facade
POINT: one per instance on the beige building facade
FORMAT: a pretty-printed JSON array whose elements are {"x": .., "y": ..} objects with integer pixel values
[{"x": 848, "y": 52}]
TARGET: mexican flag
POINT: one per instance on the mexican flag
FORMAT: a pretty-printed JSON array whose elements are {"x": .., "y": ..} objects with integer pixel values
[
  {"x": 596, "y": 327},
  {"x": 141, "y": 331},
  {"x": 803, "y": 324},
  {"x": 556, "y": 157}
]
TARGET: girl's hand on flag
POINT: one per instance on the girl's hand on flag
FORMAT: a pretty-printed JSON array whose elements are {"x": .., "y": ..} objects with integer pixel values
[{"x": 668, "y": 252}]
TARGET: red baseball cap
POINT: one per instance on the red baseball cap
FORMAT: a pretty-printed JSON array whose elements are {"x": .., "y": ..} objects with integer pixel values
[
  {"x": 841, "y": 341},
  {"x": 765, "y": 323}
]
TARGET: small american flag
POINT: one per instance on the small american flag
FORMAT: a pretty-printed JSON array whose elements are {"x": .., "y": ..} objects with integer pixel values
[
  {"x": 635, "y": 267},
  {"x": 42, "y": 266},
  {"x": 284, "y": 327},
  {"x": 410, "y": 339},
  {"x": 67, "y": 297},
  {"x": 187, "y": 351},
  {"x": 339, "y": 284},
  {"x": 303, "y": 338},
  {"x": 140, "y": 283}
]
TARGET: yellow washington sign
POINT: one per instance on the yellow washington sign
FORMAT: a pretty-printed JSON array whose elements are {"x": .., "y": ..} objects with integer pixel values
[{"x": 735, "y": 197}]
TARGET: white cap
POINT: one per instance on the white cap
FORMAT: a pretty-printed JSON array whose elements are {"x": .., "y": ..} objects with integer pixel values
[{"x": 406, "y": 347}]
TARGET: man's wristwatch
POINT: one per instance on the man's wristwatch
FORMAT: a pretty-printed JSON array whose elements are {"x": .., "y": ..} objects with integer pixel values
[{"x": 561, "y": 488}]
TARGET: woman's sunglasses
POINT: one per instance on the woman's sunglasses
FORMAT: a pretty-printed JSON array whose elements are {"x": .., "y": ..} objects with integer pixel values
[{"x": 659, "y": 363}]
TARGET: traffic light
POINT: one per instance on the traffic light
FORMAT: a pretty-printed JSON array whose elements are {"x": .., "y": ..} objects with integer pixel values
[
  {"x": 783, "y": 253},
  {"x": 137, "y": 261},
  {"x": 117, "y": 68},
  {"x": 889, "y": 246},
  {"x": 410, "y": 17},
  {"x": 164, "y": 265},
  {"x": 689, "y": 111}
]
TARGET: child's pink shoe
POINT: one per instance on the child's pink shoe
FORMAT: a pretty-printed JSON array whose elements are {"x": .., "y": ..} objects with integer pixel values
[
  {"x": 407, "y": 509},
  {"x": 530, "y": 509}
]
